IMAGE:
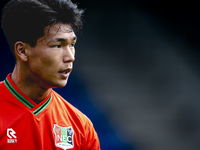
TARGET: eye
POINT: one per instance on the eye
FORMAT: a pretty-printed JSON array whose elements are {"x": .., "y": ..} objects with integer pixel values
[
  {"x": 56, "y": 46},
  {"x": 72, "y": 45}
]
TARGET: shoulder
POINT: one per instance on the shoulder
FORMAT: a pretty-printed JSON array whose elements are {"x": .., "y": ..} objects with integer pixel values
[
  {"x": 1, "y": 84},
  {"x": 66, "y": 108},
  {"x": 3, "y": 89}
]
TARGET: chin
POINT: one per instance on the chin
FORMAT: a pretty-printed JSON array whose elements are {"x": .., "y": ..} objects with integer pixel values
[{"x": 61, "y": 84}]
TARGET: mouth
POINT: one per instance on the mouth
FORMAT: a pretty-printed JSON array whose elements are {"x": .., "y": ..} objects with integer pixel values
[{"x": 66, "y": 72}]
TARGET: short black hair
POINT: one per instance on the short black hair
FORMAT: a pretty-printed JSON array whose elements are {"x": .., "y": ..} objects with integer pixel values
[{"x": 25, "y": 20}]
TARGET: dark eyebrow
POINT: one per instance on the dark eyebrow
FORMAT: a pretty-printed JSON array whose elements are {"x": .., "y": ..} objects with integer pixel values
[{"x": 63, "y": 40}]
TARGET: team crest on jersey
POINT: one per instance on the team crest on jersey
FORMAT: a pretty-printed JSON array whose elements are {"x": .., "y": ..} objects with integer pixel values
[{"x": 63, "y": 137}]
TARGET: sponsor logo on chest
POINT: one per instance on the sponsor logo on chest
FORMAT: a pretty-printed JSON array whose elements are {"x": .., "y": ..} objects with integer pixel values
[
  {"x": 63, "y": 137},
  {"x": 12, "y": 138}
]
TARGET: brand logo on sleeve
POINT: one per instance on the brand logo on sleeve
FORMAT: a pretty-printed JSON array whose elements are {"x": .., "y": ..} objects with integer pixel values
[
  {"x": 63, "y": 137},
  {"x": 11, "y": 134}
]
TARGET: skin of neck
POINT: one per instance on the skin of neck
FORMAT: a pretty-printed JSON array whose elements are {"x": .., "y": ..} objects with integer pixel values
[{"x": 22, "y": 79}]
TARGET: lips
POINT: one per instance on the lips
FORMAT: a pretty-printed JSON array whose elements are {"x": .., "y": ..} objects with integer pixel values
[{"x": 65, "y": 73}]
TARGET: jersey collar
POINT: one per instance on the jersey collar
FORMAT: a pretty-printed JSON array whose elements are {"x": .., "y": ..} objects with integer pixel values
[{"x": 36, "y": 108}]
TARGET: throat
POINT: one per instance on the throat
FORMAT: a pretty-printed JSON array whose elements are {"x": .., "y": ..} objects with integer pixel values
[
  {"x": 38, "y": 96},
  {"x": 34, "y": 91}
]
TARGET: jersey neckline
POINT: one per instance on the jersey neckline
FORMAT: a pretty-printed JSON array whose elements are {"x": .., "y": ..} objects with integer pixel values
[{"x": 16, "y": 92}]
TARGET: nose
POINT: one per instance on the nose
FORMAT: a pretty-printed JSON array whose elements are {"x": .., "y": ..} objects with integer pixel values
[{"x": 69, "y": 54}]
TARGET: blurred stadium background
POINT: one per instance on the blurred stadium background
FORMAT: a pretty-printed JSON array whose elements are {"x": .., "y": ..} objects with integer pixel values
[{"x": 136, "y": 74}]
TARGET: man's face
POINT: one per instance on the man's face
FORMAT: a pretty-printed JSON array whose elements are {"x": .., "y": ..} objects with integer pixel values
[{"x": 50, "y": 61}]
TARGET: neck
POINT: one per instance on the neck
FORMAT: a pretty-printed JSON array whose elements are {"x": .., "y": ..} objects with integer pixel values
[{"x": 32, "y": 90}]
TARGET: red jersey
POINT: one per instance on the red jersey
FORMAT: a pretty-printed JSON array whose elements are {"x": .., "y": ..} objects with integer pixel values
[{"x": 53, "y": 124}]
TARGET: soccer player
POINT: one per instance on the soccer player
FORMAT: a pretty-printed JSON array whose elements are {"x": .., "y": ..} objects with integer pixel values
[{"x": 33, "y": 116}]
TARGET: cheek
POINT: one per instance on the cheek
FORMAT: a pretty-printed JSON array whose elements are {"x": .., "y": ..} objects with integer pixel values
[
  {"x": 49, "y": 63},
  {"x": 43, "y": 64}
]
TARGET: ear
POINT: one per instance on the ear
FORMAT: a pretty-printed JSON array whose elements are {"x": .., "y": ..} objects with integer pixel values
[{"x": 20, "y": 50}]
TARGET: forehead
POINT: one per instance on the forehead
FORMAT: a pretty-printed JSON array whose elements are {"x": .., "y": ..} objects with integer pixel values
[{"x": 58, "y": 30}]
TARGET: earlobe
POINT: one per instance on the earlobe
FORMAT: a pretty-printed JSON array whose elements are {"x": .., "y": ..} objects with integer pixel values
[{"x": 20, "y": 51}]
